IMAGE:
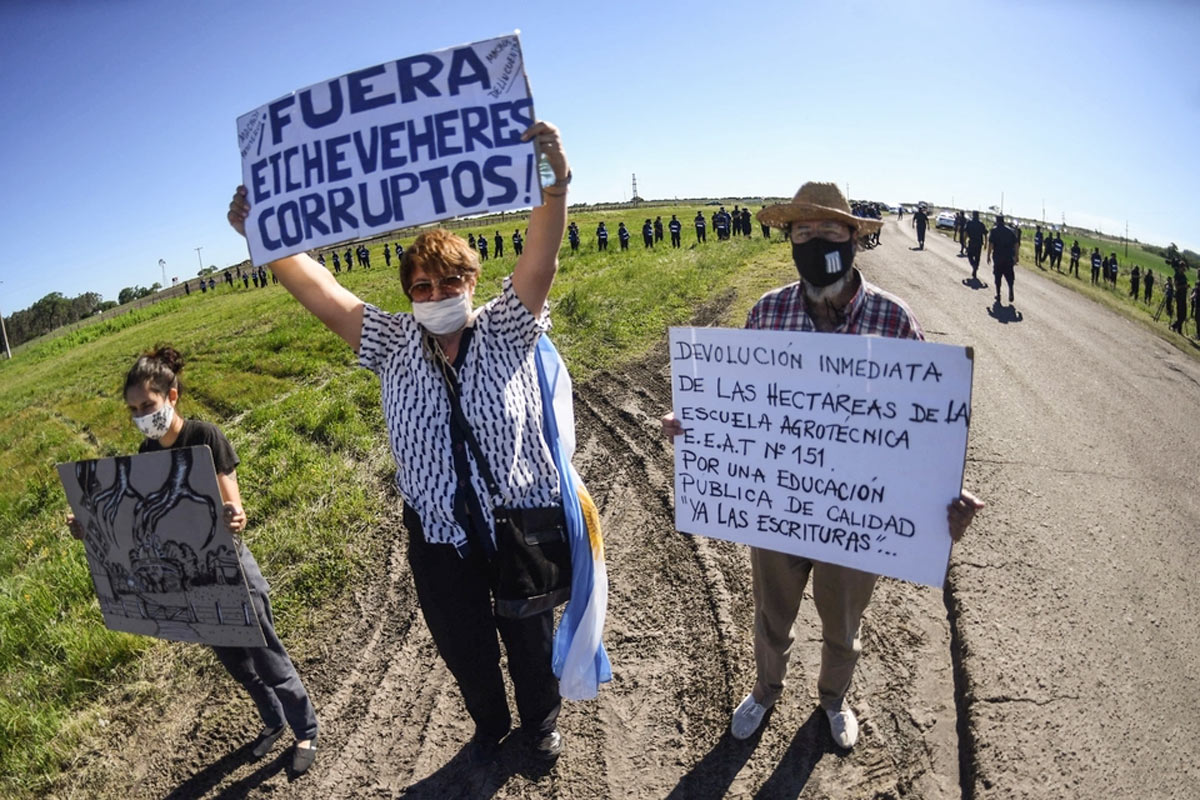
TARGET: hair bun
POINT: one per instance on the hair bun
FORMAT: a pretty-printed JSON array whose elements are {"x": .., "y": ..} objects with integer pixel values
[{"x": 169, "y": 357}]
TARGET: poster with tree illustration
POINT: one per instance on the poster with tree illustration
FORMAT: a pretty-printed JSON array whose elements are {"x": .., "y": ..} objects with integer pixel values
[{"x": 161, "y": 558}]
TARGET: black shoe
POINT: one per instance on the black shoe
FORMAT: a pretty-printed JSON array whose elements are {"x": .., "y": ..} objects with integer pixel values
[
  {"x": 267, "y": 738},
  {"x": 304, "y": 757},
  {"x": 483, "y": 749},
  {"x": 997, "y": 297},
  {"x": 1010, "y": 295},
  {"x": 547, "y": 746}
]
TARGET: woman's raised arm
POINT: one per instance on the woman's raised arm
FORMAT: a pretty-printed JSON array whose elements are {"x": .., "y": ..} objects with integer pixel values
[
  {"x": 309, "y": 282},
  {"x": 534, "y": 272}
]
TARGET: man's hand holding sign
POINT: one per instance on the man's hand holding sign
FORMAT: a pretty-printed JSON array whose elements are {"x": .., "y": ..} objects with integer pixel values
[{"x": 832, "y": 456}]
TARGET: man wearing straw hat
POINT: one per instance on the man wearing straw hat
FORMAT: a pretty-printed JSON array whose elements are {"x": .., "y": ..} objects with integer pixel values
[{"x": 830, "y": 297}]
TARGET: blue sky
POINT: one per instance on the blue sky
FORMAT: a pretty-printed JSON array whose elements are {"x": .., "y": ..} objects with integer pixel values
[{"x": 120, "y": 147}]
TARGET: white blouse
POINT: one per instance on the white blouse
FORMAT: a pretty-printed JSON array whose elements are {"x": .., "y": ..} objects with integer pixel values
[{"x": 500, "y": 398}]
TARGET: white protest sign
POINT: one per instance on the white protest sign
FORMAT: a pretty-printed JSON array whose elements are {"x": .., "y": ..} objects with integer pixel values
[
  {"x": 423, "y": 138},
  {"x": 844, "y": 449}
]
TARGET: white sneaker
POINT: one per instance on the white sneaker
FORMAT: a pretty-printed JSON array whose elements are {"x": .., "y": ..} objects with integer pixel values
[
  {"x": 843, "y": 726},
  {"x": 747, "y": 717}
]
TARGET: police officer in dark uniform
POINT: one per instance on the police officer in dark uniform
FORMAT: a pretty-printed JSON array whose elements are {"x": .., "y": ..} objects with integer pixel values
[
  {"x": 387, "y": 255},
  {"x": 1056, "y": 251},
  {"x": 1002, "y": 255},
  {"x": 519, "y": 243},
  {"x": 920, "y": 220},
  {"x": 601, "y": 237},
  {"x": 337, "y": 264},
  {"x": 483, "y": 247},
  {"x": 1097, "y": 261},
  {"x": 676, "y": 227},
  {"x": 766, "y": 230},
  {"x": 658, "y": 229},
  {"x": 1135, "y": 276},
  {"x": 623, "y": 235},
  {"x": 1181, "y": 295},
  {"x": 974, "y": 232},
  {"x": 1148, "y": 280},
  {"x": 735, "y": 222},
  {"x": 701, "y": 235},
  {"x": 471, "y": 240},
  {"x": 721, "y": 224},
  {"x": 573, "y": 236},
  {"x": 746, "y": 222},
  {"x": 1076, "y": 251},
  {"x": 647, "y": 233},
  {"x": 399, "y": 251},
  {"x": 1037, "y": 246},
  {"x": 499, "y": 241}
]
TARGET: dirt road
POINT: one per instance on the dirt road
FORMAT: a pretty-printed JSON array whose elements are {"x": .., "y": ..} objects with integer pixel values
[{"x": 1067, "y": 667}]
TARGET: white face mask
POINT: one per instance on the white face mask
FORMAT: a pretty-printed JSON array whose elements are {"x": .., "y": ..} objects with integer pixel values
[
  {"x": 448, "y": 315},
  {"x": 156, "y": 424}
]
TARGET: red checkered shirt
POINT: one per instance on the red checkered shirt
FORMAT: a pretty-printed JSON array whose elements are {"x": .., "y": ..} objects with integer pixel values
[{"x": 871, "y": 312}]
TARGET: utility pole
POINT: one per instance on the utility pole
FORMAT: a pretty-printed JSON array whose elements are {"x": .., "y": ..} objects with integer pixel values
[
  {"x": 198, "y": 249},
  {"x": 4, "y": 333},
  {"x": 162, "y": 264},
  {"x": 1127, "y": 238},
  {"x": 1002, "y": 202}
]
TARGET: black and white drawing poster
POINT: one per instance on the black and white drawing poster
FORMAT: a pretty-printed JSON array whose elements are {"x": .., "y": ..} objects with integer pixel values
[{"x": 161, "y": 558}]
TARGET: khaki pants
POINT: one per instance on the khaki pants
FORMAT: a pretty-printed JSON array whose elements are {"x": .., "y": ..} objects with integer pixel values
[{"x": 841, "y": 595}]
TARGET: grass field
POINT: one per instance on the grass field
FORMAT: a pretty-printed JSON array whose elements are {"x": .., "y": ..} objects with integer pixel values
[{"x": 315, "y": 471}]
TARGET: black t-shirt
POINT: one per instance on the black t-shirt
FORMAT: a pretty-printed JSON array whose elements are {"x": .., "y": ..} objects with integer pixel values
[
  {"x": 921, "y": 218},
  {"x": 975, "y": 231},
  {"x": 196, "y": 433},
  {"x": 1004, "y": 243}
]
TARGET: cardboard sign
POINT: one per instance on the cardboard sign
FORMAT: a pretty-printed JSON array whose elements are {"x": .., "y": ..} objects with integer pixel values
[
  {"x": 406, "y": 142},
  {"x": 161, "y": 558},
  {"x": 844, "y": 449}
]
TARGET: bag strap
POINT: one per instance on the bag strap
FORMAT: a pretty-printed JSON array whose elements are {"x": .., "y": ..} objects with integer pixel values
[{"x": 459, "y": 420}]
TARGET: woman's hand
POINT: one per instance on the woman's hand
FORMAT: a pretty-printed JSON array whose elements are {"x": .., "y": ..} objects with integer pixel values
[
  {"x": 672, "y": 427},
  {"x": 235, "y": 517},
  {"x": 239, "y": 210},
  {"x": 75, "y": 527},
  {"x": 961, "y": 512},
  {"x": 549, "y": 143}
]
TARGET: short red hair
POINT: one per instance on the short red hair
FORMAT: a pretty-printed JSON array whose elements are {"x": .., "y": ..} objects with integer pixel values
[{"x": 438, "y": 253}]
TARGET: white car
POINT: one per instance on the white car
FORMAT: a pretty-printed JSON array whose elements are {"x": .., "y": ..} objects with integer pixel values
[{"x": 945, "y": 220}]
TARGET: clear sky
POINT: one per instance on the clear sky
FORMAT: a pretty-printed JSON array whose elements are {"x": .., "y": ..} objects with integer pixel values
[{"x": 119, "y": 143}]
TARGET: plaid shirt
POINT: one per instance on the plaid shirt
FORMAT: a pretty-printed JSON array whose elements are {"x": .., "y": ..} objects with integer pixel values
[{"x": 871, "y": 312}]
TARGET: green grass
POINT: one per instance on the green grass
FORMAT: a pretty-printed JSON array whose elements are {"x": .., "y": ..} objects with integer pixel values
[{"x": 307, "y": 424}]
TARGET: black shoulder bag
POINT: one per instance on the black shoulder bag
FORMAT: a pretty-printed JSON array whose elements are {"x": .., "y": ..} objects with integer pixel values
[{"x": 531, "y": 569}]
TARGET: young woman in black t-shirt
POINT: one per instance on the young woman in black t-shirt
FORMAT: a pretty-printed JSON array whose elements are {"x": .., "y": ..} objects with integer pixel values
[{"x": 152, "y": 391}]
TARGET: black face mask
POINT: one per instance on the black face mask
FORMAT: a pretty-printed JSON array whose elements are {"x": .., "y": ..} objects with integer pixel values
[{"x": 821, "y": 262}]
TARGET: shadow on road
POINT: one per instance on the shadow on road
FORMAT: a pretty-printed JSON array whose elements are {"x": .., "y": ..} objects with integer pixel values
[
  {"x": 1004, "y": 314},
  {"x": 974, "y": 283},
  {"x": 918, "y": 247},
  {"x": 208, "y": 778}
]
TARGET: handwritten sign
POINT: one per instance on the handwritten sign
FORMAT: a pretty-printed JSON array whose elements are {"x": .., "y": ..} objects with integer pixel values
[
  {"x": 423, "y": 138},
  {"x": 844, "y": 449}
]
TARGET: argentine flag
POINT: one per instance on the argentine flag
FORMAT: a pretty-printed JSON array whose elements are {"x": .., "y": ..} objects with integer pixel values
[{"x": 579, "y": 660}]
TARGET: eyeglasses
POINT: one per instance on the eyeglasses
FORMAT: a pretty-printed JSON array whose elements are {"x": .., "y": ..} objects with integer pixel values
[
  {"x": 450, "y": 285},
  {"x": 833, "y": 231}
]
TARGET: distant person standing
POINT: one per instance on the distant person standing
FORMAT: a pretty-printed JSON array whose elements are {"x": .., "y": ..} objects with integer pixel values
[
  {"x": 349, "y": 261},
  {"x": 573, "y": 237},
  {"x": 321, "y": 259},
  {"x": 974, "y": 232},
  {"x": 246, "y": 279},
  {"x": 203, "y": 286},
  {"x": 721, "y": 224},
  {"x": 1134, "y": 282},
  {"x": 471, "y": 241},
  {"x": 1076, "y": 251},
  {"x": 399, "y": 252},
  {"x": 337, "y": 264},
  {"x": 1037, "y": 245},
  {"x": 1181, "y": 295},
  {"x": 735, "y": 222},
  {"x": 212, "y": 283},
  {"x": 746, "y": 223},
  {"x": 701, "y": 234},
  {"x": 1056, "y": 251},
  {"x": 920, "y": 220},
  {"x": 498, "y": 240},
  {"x": 766, "y": 229},
  {"x": 1168, "y": 301},
  {"x": 601, "y": 237},
  {"x": 658, "y": 229},
  {"x": 387, "y": 255},
  {"x": 519, "y": 242},
  {"x": 187, "y": 291},
  {"x": 1148, "y": 280},
  {"x": 676, "y": 228},
  {"x": 623, "y": 235},
  {"x": 1113, "y": 269},
  {"x": 1097, "y": 262},
  {"x": 483, "y": 247},
  {"x": 1002, "y": 255},
  {"x": 647, "y": 233}
]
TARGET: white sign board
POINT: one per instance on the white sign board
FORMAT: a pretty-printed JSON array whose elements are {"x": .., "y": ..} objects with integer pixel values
[
  {"x": 844, "y": 449},
  {"x": 406, "y": 142},
  {"x": 162, "y": 561}
]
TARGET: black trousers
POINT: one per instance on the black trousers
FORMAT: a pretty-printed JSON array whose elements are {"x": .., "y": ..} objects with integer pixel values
[
  {"x": 701, "y": 235},
  {"x": 973, "y": 251},
  {"x": 456, "y": 601},
  {"x": 675, "y": 239}
]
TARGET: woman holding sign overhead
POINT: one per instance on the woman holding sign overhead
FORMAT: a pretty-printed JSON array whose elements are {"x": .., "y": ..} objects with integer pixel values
[{"x": 463, "y": 411}]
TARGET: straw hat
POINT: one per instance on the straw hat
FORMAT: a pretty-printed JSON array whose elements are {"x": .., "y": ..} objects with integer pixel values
[{"x": 816, "y": 201}]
